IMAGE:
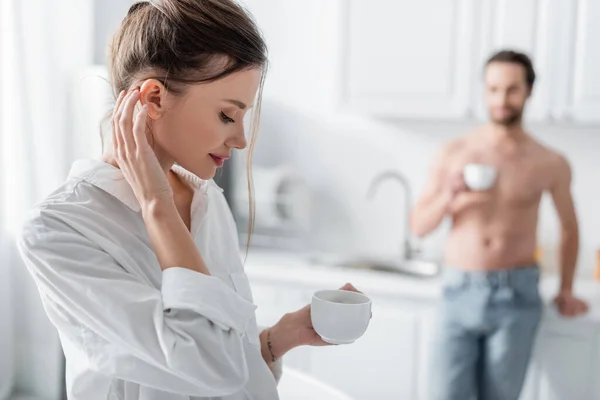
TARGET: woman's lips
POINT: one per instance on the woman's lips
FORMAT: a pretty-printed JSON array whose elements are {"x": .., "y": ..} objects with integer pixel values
[{"x": 219, "y": 160}]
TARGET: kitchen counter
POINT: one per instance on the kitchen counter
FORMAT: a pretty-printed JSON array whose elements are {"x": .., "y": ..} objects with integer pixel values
[
  {"x": 299, "y": 271},
  {"x": 565, "y": 361}
]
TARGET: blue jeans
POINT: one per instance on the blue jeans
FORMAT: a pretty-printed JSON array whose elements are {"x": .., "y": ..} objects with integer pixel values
[{"x": 488, "y": 323}]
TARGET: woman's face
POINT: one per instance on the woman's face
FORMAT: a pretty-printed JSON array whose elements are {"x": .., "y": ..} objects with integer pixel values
[{"x": 199, "y": 129}]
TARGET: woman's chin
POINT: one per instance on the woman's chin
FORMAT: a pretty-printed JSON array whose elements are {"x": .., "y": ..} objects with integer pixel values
[{"x": 206, "y": 174}]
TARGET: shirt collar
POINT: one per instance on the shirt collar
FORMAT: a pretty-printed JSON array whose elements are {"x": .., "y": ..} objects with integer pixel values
[{"x": 111, "y": 180}]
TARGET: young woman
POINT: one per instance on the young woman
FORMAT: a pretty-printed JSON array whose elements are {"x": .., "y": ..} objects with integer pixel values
[{"x": 136, "y": 256}]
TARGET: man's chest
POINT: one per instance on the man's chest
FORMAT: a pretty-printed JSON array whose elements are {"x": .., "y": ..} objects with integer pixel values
[
  {"x": 521, "y": 179},
  {"x": 521, "y": 182}
]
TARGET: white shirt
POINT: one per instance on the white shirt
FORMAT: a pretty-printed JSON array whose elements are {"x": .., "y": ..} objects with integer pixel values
[{"x": 129, "y": 330}]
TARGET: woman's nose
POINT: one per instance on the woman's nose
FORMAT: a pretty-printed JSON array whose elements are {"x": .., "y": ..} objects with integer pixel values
[{"x": 238, "y": 141}]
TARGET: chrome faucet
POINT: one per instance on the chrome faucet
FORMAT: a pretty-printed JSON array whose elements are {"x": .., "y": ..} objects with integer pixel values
[{"x": 408, "y": 251}]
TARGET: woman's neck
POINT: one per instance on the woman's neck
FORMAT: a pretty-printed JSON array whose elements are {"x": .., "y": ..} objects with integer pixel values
[
  {"x": 165, "y": 162},
  {"x": 182, "y": 193}
]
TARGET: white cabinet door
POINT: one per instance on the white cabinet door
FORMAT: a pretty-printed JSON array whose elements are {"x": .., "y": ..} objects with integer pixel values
[
  {"x": 566, "y": 366},
  {"x": 409, "y": 59},
  {"x": 585, "y": 83},
  {"x": 381, "y": 364}
]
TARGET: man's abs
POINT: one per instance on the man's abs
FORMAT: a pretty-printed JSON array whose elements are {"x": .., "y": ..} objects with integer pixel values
[{"x": 491, "y": 245}]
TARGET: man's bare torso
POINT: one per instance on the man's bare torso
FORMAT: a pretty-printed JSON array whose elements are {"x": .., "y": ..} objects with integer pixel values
[{"x": 497, "y": 229}]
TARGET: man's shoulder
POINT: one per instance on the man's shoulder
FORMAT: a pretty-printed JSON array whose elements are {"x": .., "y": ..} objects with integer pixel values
[
  {"x": 553, "y": 162},
  {"x": 550, "y": 156}
]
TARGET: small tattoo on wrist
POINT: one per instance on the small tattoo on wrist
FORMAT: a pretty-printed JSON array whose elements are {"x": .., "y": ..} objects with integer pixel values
[{"x": 270, "y": 346}]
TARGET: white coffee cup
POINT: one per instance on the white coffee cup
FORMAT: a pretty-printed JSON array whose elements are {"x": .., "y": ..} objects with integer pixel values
[
  {"x": 479, "y": 176},
  {"x": 340, "y": 316}
]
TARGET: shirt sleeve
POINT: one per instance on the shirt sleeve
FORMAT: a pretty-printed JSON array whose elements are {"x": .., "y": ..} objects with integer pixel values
[{"x": 184, "y": 338}]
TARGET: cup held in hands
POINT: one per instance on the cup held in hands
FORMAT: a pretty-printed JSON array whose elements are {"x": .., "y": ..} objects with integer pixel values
[
  {"x": 340, "y": 316},
  {"x": 479, "y": 177}
]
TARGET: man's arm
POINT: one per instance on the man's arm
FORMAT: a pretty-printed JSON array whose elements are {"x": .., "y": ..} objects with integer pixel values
[
  {"x": 569, "y": 239},
  {"x": 435, "y": 201},
  {"x": 568, "y": 305}
]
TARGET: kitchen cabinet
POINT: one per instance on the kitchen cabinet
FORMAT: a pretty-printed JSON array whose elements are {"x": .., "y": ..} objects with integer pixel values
[
  {"x": 391, "y": 361},
  {"x": 555, "y": 352},
  {"x": 409, "y": 59},
  {"x": 424, "y": 60},
  {"x": 379, "y": 363}
]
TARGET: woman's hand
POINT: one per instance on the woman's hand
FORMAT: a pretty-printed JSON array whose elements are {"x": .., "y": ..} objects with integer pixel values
[
  {"x": 171, "y": 240},
  {"x": 296, "y": 329},
  {"x": 133, "y": 153},
  {"x": 306, "y": 334}
]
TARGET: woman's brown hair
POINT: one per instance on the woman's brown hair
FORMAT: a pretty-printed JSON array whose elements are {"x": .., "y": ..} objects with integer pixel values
[{"x": 183, "y": 42}]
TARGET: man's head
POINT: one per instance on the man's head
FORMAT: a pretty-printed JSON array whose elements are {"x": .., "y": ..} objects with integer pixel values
[{"x": 509, "y": 77}]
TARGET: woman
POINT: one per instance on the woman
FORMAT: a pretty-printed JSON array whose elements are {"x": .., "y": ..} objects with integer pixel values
[{"x": 136, "y": 256}]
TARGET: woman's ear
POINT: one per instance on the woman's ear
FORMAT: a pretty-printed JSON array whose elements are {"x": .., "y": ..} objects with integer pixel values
[{"x": 152, "y": 93}]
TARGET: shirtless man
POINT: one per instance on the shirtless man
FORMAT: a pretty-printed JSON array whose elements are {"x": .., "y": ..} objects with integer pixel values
[{"x": 491, "y": 307}]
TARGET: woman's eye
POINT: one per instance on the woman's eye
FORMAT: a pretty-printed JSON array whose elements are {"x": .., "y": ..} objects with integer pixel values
[{"x": 225, "y": 118}]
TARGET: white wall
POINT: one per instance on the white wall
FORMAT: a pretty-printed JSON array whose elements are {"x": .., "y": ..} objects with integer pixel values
[{"x": 108, "y": 14}]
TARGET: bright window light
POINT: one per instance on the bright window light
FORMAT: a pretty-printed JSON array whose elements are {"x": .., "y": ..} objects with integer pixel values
[{"x": 11, "y": 189}]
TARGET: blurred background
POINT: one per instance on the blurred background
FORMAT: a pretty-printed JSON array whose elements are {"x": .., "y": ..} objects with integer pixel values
[{"x": 359, "y": 96}]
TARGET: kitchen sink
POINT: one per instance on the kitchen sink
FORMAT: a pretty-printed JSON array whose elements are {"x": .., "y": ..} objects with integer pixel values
[
  {"x": 417, "y": 268},
  {"x": 414, "y": 268}
]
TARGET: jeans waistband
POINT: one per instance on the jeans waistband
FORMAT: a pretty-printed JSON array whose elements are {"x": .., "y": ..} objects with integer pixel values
[{"x": 503, "y": 277}]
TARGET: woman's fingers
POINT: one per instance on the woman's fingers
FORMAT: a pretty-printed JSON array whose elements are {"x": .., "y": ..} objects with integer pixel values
[
  {"x": 139, "y": 128},
  {"x": 126, "y": 122},
  {"x": 348, "y": 286},
  {"x": 117, "y": 108},
  {"x": 115, "y": 121},
  {"x": 133, "y": 154}
]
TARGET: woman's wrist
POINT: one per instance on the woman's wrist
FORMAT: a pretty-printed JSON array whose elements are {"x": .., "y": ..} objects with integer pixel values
[
  {"x": 158, "y": 208},
  {"x": 278, "y": 340}
]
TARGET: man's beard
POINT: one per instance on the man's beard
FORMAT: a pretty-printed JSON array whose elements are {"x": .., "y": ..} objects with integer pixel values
[{"x": 512, "y": 119}]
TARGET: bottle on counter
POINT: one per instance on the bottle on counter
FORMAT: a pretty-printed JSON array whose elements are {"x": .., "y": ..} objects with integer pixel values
[
  {"x": 546, "y": 259},
  {"x": 538, "y": 255}
]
